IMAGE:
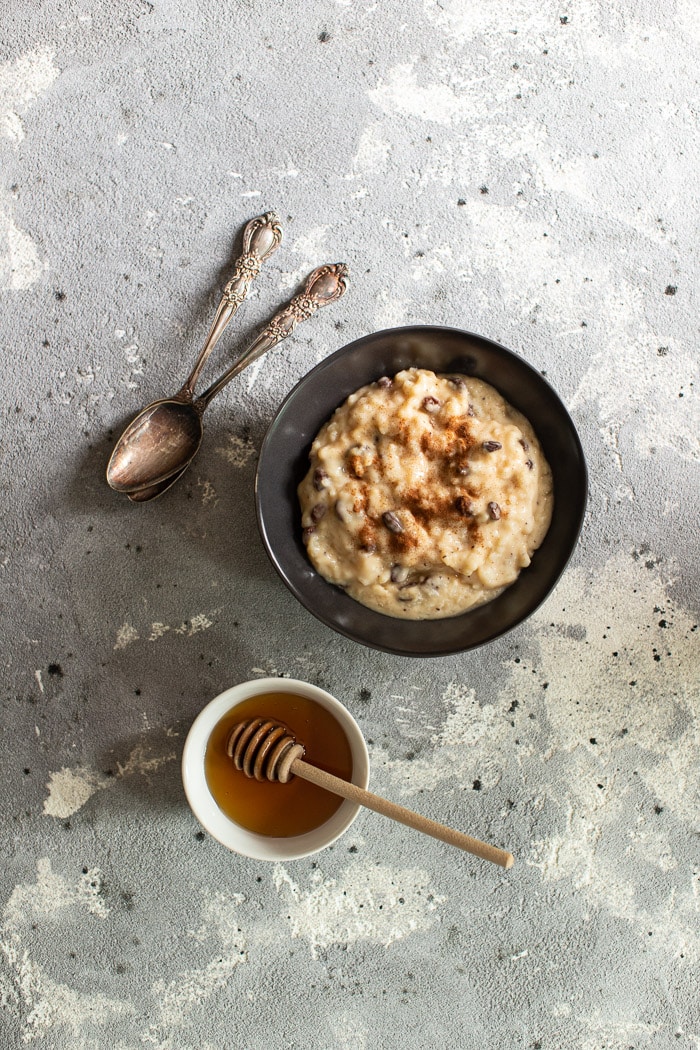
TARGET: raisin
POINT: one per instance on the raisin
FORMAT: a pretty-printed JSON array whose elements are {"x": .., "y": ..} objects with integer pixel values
[
  {"x": 494, "y": 511},
  {"x": 320, "y": 479},
  {"x": 414, "y": 581},
  {"x": 464, "y": 507},
  {"x": 392, "y": 521},
  {"x": 491, "y": 446},
  {"x": 317, "y": 512}
]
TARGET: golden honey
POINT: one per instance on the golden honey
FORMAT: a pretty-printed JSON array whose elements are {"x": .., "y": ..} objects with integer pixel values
[{"x": 279, "y": 810}]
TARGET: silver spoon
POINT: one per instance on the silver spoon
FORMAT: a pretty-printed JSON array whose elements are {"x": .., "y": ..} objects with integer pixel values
[
  {"x": 179, "y": 431},
  {"x": 137, "y": 457}
]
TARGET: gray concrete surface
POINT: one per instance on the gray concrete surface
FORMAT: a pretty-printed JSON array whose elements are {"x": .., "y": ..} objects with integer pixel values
[{"x": 525, "y": 170}]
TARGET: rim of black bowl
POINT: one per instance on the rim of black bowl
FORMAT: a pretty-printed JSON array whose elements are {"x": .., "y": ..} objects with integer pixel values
[{"x": 284, "y": 461}]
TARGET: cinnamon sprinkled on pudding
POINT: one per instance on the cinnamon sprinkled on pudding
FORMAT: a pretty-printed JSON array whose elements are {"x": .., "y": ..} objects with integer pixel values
[{"x": 439, "y": 490}]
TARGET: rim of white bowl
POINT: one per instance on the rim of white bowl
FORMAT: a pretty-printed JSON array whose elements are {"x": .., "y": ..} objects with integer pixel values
[{"x": 236, "y": 838}]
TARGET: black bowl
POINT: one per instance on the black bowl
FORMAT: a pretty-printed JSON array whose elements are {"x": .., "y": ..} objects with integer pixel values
[{"x": 284, "y": 462}]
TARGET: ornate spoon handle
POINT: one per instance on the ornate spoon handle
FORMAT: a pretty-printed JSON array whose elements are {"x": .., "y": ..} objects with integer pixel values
[
  {"x": 323, "y": 286},
  {"x": 261, "y": 237}
]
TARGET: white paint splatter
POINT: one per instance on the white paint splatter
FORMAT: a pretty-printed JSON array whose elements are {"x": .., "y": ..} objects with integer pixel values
[
  {"x": 622, "y": 664},
  {"x": 439, "y": 259},
  {"x": 367, "y": 902},
  {"x": 467, "y": 21},
  {"x": 37, "y": 675},
  {"x": 631, "y": 381},
  {"x": 401, "y": 93},
  {"x": 238, "y": 451},
  {"x": 310, "y": 249},
  {"x": 618, "y": 652},
  {"x": 270, "y": 671},
  {"x": 373, "y": 152},
  {"x": 209, "y": 497},
  {"x": 70, "y": 788},
  {"x": 475, "y": 741},
  {"x": 284, "y": 173},
  {"x": 176, "y": 999},
  {"x": 197, "y": 623},
  {"x": 126, "y": 635},
  {"x": 157, "y": 631},
  {"x": 50, "y": 893},
  {"x": 390, "y": 311},
  {"x": 511, "y": 248},
  {"x": 348, "y": 1031},
  {"x": 571, "y": 853},
  {"x": 686, "y": 17},
  {"x": 614, "y": 1032},
  {"x": 43, "y": 1007},
  {"x": 22, "y": 82},
  {"x": 20, "y": 264},
  {"x": 84, "y": 376},
  {"x": 142, "y": 763},
  {"x": 134, "y": 361},
  {"x": 253, "y": 372}
]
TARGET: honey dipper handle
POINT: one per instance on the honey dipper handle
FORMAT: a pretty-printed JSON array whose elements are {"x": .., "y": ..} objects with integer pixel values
[{"x": 404, "y": 816}]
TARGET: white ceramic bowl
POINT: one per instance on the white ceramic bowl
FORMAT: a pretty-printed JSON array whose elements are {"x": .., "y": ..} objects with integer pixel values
[{"x": 232, "y": 835}]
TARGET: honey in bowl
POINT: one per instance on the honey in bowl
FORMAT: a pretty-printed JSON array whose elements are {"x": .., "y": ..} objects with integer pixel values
[{"x": 279, "y": 810}]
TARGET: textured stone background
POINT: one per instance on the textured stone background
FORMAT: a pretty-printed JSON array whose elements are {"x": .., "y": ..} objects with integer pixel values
[{"x": 525, "y": 170}]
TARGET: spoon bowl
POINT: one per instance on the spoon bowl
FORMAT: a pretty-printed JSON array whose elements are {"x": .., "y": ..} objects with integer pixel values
[
  {"x": 157, "y": 444},
  {"x": 145, "y": 495}
]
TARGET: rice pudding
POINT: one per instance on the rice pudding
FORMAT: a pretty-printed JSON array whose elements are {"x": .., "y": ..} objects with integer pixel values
[{"x": 426, "y": 495}]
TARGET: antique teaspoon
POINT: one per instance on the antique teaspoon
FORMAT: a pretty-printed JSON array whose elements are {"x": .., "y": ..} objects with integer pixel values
[{"x": 136, "y": 459}]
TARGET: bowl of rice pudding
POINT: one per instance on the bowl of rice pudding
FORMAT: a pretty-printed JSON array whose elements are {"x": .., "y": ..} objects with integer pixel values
[{"x": 421, "y": 490}]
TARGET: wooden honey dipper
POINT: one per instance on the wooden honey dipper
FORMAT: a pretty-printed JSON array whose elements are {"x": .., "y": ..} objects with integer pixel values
[{"x": 268, "y": 750}]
